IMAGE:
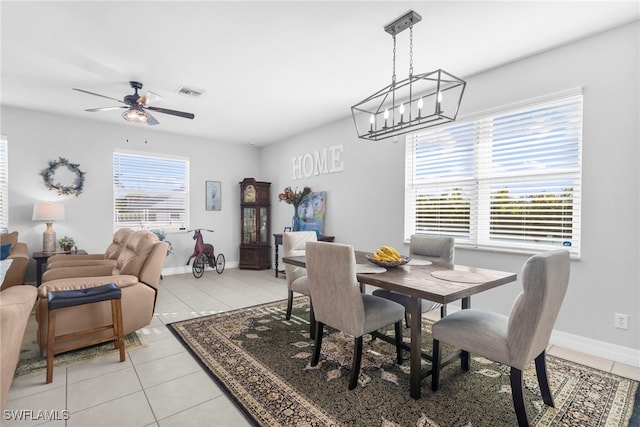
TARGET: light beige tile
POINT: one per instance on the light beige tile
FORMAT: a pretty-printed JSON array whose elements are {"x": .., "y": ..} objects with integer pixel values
[
  {"x": 626, "y": 371},
  {"x": 157, "y": 350},
  {"x": 171, "y": 397},
  {"x": 167, "y": 368},
  {"x": 96, "y": 367},
  {"x": 34, "y": 384},
  {"x": 98, "y": 390},
  {"x": 131, "y": 410},
  {"x": 226, "y": 414},
  {"x": 154, "y": 331},
  {"x": 24, "y": 411}
]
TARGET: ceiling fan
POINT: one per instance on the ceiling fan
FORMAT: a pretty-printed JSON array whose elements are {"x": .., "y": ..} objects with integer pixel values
[{"x": 136, "y": 106}]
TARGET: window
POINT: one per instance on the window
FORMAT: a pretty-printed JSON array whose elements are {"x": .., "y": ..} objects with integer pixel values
[
  {"x": 149, "y": 191},
  {"x": 4, "y": 186},
  {"x": 507, "y": 180}
]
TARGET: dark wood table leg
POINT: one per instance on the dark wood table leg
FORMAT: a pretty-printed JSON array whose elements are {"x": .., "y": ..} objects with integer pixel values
[
  {"x": 277, "y": 259},
  {"x": 415, "y": 376},
  {"x": 39, "y": 263},
  {"x": 464, "y": 355}
]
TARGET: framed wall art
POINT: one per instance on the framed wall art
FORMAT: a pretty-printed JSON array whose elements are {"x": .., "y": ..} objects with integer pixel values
[{"x": 213, "y": 195}]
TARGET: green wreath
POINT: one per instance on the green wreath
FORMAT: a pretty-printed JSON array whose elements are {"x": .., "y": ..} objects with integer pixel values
[{"x": 63, "y": 190}]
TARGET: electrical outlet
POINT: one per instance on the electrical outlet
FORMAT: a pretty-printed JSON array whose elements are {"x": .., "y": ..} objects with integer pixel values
[{"x": 621, "y": 321}]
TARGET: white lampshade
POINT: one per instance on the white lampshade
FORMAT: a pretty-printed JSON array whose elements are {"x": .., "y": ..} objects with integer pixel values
[{"x": 48, "y": 212}]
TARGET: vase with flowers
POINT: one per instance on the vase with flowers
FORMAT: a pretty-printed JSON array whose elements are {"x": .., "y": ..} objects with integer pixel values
[{"x": 294, "y": 198}]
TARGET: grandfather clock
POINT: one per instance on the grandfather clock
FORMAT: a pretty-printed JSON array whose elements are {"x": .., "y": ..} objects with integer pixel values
[{"x": 255, "y": 245}]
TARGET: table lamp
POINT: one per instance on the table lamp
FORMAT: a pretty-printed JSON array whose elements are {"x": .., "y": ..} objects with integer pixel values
[{"x": 48, "y": 212}]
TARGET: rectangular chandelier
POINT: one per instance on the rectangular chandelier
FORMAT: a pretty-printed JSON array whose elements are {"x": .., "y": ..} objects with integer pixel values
[{"x": 417, "y": 102}]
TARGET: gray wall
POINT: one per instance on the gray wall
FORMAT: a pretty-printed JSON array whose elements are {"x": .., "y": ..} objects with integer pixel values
[
  {"x": 36, "y": 138},
  {"x": 365, "y": 202}
]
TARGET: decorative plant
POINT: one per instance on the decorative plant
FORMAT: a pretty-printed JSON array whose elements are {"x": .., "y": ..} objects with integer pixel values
[
  {"x": 66, "y": 242},
  {"x": 293, "y": 197}
]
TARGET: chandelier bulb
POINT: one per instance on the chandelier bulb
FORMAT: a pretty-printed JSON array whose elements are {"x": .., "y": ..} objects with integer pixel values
[
  {"x": 386, "y": 116},
  {"x": 401, "y": 112}
]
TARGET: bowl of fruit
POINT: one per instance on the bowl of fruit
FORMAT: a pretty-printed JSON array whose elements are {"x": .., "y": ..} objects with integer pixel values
[{"x": 386, "y": 256}]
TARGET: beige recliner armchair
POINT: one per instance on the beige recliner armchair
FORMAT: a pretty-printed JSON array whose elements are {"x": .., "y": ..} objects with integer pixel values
[
  {"x": 110, "y": 256},
  {"x": 136, "y": 271}
]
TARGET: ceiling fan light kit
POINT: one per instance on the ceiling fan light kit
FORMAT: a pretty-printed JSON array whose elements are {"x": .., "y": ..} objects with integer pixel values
[
  {"x": 136, "y": 106},
  {"x": 417, "y": 102}
]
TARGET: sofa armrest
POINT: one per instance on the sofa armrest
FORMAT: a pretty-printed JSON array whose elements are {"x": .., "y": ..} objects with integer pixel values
[
  {"x": 80, "y": 263},
  {"x": 82, "y": 271},
  {"x": 74, "y": 257},
  {"x": 15, "y": 307},
  {"x": 17, "y": 270},
  {"x": 122, "y": 281}
]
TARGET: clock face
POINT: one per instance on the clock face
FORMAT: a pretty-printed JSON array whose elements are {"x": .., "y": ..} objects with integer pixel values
[{"x": 249, "y": 194}]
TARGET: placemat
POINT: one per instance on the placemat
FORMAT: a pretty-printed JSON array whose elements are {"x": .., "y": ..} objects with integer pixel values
[
  {"x": 414, "y": 261},
  {"x": 369, "y": 268},
  {"x": 459, "y": 276}
]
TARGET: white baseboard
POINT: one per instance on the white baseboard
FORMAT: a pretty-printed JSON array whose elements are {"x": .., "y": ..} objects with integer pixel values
[
  {"x": 170, "y": 271},
  {"x": 617, "y": 353}
]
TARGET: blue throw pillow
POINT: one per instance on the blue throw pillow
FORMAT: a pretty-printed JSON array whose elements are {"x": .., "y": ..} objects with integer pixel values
[{"x": 4, "y": 251}]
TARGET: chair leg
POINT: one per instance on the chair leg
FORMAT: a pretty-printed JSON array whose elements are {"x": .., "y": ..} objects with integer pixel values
[
  {"x": 465, "y": 360},
  {"x": 398, "y": 327},
  {"x": 435, "y": 366},
  {"x": 51, "y": 337},
  {"x": 289, "y": 305},
  {"x": 543, "y": 382},
  {"x": 312, "y": 321},
  {"x": 518, "y": 399},
  {"x": 118, "y": 328},
  {"x": 316, "y": 351},
  {"x": 357, "y": 359}
]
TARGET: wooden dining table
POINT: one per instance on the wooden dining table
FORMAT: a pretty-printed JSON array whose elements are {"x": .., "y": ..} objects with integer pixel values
[{"x": 441, "y": 283}]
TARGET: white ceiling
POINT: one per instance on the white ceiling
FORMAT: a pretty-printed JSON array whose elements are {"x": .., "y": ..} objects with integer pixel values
[{"x": 270, "y": 69}]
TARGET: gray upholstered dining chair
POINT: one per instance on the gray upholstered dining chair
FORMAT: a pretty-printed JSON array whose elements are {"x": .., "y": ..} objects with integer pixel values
[
  {"x": 293, "y": 244},
  {"x": 427, "y": 247},
  {"x": 339, "y": 303},
  {"x": 515, "y": 340}
]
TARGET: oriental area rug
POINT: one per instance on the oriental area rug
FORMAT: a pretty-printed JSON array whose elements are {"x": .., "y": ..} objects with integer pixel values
[{"x": 263, "y": 364}]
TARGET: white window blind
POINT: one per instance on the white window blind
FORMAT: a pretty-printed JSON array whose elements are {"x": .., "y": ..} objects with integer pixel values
[
  {"x": 4, "y": 185},
  {"x": 150, "y": 191},
  {"x": 507, "y": 180}
]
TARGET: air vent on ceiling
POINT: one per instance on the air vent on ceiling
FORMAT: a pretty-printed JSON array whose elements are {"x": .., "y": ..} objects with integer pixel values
[{"x": 183, "y": 90}]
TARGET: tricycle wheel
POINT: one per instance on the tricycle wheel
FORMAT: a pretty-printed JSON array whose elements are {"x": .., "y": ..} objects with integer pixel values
[
  {"x": 220, "y": 263},
  {"x": 198, "y": 265}
]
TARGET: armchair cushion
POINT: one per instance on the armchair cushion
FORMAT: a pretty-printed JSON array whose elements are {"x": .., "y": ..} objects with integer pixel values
[{"x": 135, "y": 253}]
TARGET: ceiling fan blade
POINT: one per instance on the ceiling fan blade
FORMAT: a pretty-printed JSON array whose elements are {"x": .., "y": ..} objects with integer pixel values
[
  {"x": 93, "y": 110},
  {"x": 149, "y": 98},
  {"x": 97, "y": 94},
  {"x": 172, "y": 112},
  {"x": 152, "y": 120}
]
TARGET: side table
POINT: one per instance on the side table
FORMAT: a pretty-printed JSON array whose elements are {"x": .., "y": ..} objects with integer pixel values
[
  {"x": 42, "y": 257},
  {"x": 277, "y": 237}
]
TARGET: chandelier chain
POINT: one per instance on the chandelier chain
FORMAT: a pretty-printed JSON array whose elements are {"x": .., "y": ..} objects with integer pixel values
[
  {"x": 393, "y": 77},
  {"x": 411, "y": 49}
]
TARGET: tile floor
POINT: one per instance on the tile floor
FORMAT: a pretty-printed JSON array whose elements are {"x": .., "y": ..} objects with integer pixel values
[{"x": 161, "y": 384}]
